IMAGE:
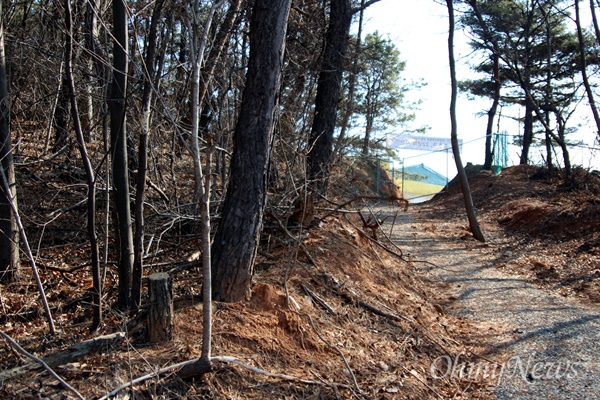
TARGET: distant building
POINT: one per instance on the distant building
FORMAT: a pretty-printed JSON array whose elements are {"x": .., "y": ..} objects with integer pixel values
[{"x": 424, "y": 174}]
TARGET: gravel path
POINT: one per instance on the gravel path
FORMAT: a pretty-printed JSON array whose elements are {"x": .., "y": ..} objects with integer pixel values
[{"x": 547, "y": 345}]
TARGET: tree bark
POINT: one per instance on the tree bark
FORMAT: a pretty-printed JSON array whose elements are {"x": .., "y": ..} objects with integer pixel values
[
  {"x": 489, "y": 152},
  {"x": 237, "y": 237},
  {"x": 328, "y": 94},
  {"x": 527, "y": 86},
  {"x": 351, "y": 86},
  {"x": 9, "y": 232},
  {"x": 119, "y": 146},
  {"x": 464, "y": 182},
  {"x": 160, "y": 307}
]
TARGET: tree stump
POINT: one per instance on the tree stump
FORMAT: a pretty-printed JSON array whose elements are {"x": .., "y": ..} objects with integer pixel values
[{"x": 160, "y": 307}]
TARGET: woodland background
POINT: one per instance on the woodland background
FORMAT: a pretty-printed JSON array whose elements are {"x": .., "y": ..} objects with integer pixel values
[{"x": 128, "y": 128}]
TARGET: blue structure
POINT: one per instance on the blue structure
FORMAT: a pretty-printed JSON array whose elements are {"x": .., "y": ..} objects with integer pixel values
[{"x": 426, "y": 175}]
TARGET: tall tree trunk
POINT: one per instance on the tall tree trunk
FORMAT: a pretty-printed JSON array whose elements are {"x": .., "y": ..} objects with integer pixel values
[
  {"x": 351, "y": 85},
  {"x": 368, "y": 130},
  {"x": 583, "y": 66},
  {"x": 527, "y": 132},
  {"x": 563, "y": 144},
  {"x": 237, "y": 237},
  {"x": 203, "y": 364},
  {"x": 548, "y": 91},
  {"x": 9, "y": 233},
  {"x": 101, "y": 76},
  {"x": 462, "y": 176},
  {"x": 89, "y": 173},
  {"x": 489, "y": 152},
  {"x": 328, "y": 94},
  {"x": 138, "y": 243},
  {"x": 529, "y": 103},
  {"x": 119, "y": 153},
  {"x": 61, "y": 120}
]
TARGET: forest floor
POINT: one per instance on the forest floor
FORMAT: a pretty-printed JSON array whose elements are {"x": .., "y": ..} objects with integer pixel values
[{"x": 351, "y": 315}]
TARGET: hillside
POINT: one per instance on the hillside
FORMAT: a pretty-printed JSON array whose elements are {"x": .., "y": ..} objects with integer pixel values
[
  {"x": 555, "y": 224},
  {"x": 347, "y": 315},
  {"x": 331, "y": 306}
]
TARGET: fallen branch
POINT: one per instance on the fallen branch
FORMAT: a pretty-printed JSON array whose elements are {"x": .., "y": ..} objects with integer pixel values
[
  {"x": 160, "y": 192},
  {"x": 319, "y": 300},
  {"x": 71, "y": 354},
  {"x": 339, "y": 207},
  {"x": 377, "y": 242},
  {"x": 352, "y": 298},
  {"x": 225, "y": 359},
  {"x": 21, "y": 350},
  {"x": 383, "y": 232},
  {"x": 65, "y": 270},
  {"x": 185, "y": 266},
  {"x": 373, "y": 223},
  {"x": 422, "y": 381},
  {"x": 80, "y": 350}
]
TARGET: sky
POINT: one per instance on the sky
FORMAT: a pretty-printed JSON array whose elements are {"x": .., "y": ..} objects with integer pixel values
[{"x": 419, "y": 28}]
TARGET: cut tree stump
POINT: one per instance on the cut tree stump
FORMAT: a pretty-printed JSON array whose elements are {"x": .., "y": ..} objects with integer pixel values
[{"x": 160, "y": 307}]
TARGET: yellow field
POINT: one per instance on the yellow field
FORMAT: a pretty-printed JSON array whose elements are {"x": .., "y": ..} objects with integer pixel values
[{"x": 415, "y": 188}]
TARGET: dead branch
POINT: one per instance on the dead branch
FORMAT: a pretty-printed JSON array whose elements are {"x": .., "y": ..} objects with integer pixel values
[
  {"x": 21, "y": 350},
  {"x": 160, "y": 192},
  {"x": 224, "y": 359},
  {"x": 353, "y": 298},
  {"x": 71, "y": 354},
  {"x": 422, "y": 381},
  {"x": 65, "y": 270},
  {"x": 185, "y": 266},
  {"x": 377, "y": 242},
  {"x": 319, "y": 300},
  {"x": 347, "y": 203},
  {"x": 373, "y": 223},
  {"x": 380, "y": 223}
]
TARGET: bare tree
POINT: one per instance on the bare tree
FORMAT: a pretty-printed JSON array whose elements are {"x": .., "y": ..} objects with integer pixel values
[
  {"x": 9, "y": 233},
  {"x": 89, "y": 172},
  {"x": 199, "y": 42},
  {"x": 148, "y": 77},
  {"x": 464, "y": 182},
  {"x": 118, "y": 133}
]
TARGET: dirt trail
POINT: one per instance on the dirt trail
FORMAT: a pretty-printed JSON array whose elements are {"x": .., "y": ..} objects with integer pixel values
[{"x": 546, "y": 345}]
